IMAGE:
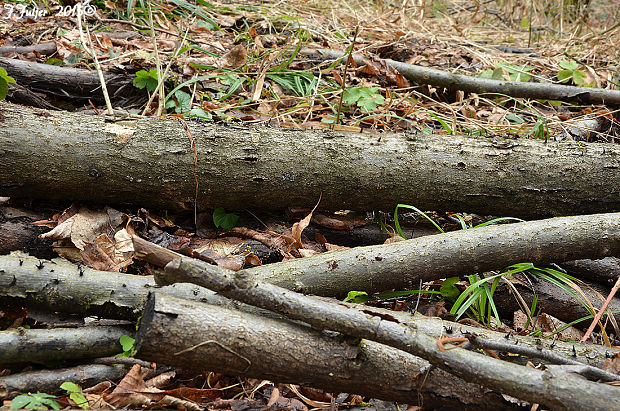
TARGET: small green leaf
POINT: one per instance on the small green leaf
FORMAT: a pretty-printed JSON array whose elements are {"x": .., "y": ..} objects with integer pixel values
[
  {"x": 127, "y": 342},
  {"x": 5, "y": 76},
  {"x": 79, "y": 399},
  {"x": 200, "y": 113},
  {"x": 525, "y": 23},
  {"x": 4, "y": 88},
  {"x": 352, "y": 295},
  {"x": 38, "y": 401},
  {"x": 365, "y": 98},
  {"x": 53, "y": 61},
  {"x": 564, "y": 76},
  {"x": 448, "y": 290},
  {"x": 70, "y": 387},
  {"x": 568, "y": 64},
  {"x": 351, "y": 95},
  {"x": 183, "y": 101},
  {"x": 498, "y": 74},
  {"x": 514, "y": 118},
  {"x": 146, "y": 79},
  {"x": 224, "y": 220},
  {"x": 19, "y": 402},
  {"x": 485, "y": 74},
  {"x": 579, "y": 77}
]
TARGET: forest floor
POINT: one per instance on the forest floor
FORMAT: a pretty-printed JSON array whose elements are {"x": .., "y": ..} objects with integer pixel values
[{"x": 252, "y": 62}]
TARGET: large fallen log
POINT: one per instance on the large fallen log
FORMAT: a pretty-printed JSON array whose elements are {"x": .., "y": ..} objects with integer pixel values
[{"x": 149, "y": 162}]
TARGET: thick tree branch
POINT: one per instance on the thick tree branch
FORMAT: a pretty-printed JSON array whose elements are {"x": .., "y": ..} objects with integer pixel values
[
  {"x": 149, "y": 163},
  {"x": 552, "y": 390},
  {"x": 233, "y": 342},
  {"x": 440, "y": 78},
  {"x": 61, "y": 286}
]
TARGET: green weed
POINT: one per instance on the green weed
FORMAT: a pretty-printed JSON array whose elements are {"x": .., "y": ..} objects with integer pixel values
[
  {"x": 571, "y": 74},
  {"x": 5, "y": 79},
  {"x": 223, "y": 220},
  {"x": 75, "y": 394},
  {"x": 37, "y": 401}
]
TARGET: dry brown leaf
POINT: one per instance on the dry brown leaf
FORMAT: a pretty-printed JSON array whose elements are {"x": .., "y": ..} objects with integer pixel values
[
  {"x": 612, "y": 364},
  {"x": 299, "y": 227},
  {"x": 235, "y": 58},
  {"x": 131, "y": 390}
]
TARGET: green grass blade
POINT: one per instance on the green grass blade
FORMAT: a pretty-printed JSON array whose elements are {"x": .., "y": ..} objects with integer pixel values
[
  {"x": 423, "y": 214},
  {"x": 497, "y": 220}
]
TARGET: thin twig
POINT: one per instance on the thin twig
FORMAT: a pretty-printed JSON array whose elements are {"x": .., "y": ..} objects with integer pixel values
[
  {"x": 92, "y": 53},
  {"x": 344, "y": 76},
  {"x": 176, "y": 53},
  {"x": 160, "y": 89}
]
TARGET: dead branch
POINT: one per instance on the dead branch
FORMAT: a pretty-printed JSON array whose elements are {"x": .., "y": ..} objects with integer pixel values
[
  {"x": 62, "y": 81},
  {"x": 401, "y": 265},
  {"x": 440, "y": 78},
  {"x": 41, "y": 345},
  {"x": 552, "y": 389},
  {"x": 149, "y": 162},
  {"x": 61, "y": 286},
  {"x": 49, "y": 381}
]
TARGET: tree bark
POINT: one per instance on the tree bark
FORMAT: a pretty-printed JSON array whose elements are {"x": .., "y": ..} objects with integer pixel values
[
  {"x": 552, "y": 388},
  {"x": 40, "y": 345},
  {"x": 238, "y": 343},
  {"x": 148, "y": 162},
  {"x": 64, "y": 287}
]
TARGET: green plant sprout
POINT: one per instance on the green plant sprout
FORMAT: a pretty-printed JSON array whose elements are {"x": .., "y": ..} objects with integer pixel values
[
  {"x": 5, "y": 79},
  {"x": 299, "y": 82},
  {"x": 365, "y": 98},
  {"x": 146, "y": 79},
  {"x": 182, "y": 102},
  {"x": 477, "y": 299},
  {"x": 223, "y": 220},
  {"x": 37, "y": 401},
  {"x": 571, "y": 73},
  {"x": 75, "y": 394},
  {"x": 128, "y": 345}
]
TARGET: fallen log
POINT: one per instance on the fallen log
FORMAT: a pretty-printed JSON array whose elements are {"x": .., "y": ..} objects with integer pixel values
[
  {"x": 555, "y": 387},
  {"x": 41, "y": 345},
  {"x": 452, "y": 81},
  {"x": 148, "y": 162},
  {"x": 238, "y": 343},
  {"x": 64, "y": 81},
  {"x": 61, "y": 286},
  {"x": 403, "y": 264}
]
